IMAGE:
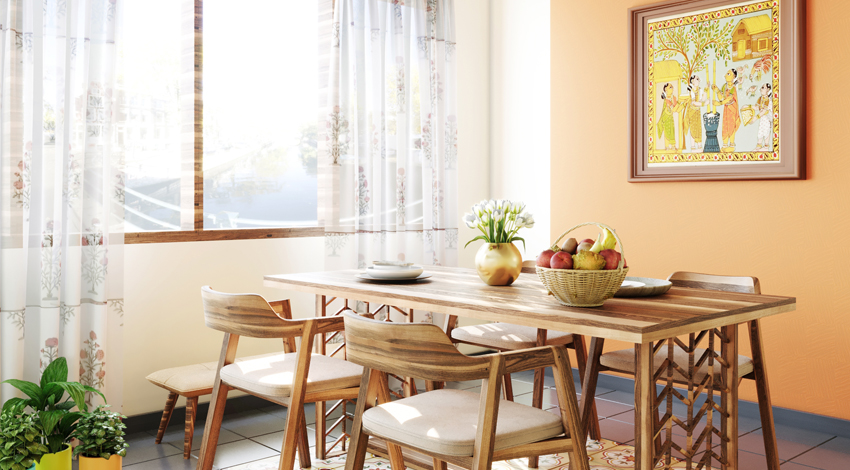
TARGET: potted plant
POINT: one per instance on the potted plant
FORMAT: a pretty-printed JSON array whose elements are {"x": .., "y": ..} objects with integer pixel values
[
  {"x": 101, "y": 436},
  {"x": 51, "y": 410},
  {"x": 498, "y": 261},
  {"x": 20, "y": 441}
]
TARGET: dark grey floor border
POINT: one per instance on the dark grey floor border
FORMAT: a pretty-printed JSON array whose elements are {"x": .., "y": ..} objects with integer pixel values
[
  {"x": 781, "y": 416},
  {"x": 150, "y": 421}
]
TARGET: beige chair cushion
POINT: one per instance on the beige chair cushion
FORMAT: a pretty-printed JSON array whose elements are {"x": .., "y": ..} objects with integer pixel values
[
  {"x": 624, "y": 361},
  {"x": 445, "y": 422},
  {"x": 272, "y": 376},
  {"x": 191, "y": 379},
  {"x": 506, "y": 337}
]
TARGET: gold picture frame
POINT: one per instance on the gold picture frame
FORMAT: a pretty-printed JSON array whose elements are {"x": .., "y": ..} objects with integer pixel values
[{"x": 689, "y": 123}]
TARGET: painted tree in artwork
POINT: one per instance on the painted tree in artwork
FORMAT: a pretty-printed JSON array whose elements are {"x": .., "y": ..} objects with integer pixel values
[{"x": 693, "y": 43}]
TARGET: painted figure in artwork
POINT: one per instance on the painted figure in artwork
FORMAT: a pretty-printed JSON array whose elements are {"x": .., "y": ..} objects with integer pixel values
[
  {"x": 666, "y": 126},
  {"x": 728, "y": 98},
  {"x": 764, "y": 107},
  {"x": 693, "y": 116}
]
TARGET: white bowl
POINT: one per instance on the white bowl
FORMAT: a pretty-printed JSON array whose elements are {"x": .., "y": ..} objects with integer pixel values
[{"x": 407, "y": 273}]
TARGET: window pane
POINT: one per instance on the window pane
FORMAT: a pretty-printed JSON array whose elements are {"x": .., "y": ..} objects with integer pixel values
[
  {"x": 148, "y": 101},
  {"x": 260, "y": 113}
]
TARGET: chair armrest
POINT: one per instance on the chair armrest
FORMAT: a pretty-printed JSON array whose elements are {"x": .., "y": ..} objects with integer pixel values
[
  {"x": 528, "y": 359},
  {"x": 282, "y": 308},
  {"x": 329, "y": 324}
]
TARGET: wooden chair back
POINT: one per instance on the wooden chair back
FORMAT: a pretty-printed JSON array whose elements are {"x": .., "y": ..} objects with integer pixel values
[
  {"x": 410, "y": 350},
  {"x": 743, "y": 284},
  {"x": 247, "y": 315}
]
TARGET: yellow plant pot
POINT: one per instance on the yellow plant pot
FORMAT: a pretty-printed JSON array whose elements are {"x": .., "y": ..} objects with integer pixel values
[
  {"x": 498, "y": 264},
  {"x": 58, "y": 461},
  {"x": 97, "y": 463}
]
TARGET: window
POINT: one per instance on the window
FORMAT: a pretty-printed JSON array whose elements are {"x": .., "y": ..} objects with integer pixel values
[
  {"x": 762, "y": 44},
  {"x": 238, "y": 160}
]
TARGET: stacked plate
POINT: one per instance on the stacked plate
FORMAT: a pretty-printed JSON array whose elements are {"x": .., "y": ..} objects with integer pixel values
[{"x": 393, "y": 272}]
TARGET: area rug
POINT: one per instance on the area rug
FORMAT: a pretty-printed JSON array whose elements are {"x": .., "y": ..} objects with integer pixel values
[{"x": 603, "y": 455}]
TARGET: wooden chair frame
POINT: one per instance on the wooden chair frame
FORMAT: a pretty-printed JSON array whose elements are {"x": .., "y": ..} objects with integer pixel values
[
  {"x": 743, "y": 284},
  {"x": 424, "y": 351},
  {"x": 251, "y": 315}
]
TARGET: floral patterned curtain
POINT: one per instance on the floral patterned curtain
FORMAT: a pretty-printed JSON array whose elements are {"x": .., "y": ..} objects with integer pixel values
[
  {"x": 61, "y": 192},
  {"x": 388, "y": 184}
]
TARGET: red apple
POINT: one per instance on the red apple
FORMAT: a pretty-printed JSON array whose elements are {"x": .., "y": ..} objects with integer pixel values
[
  {"x": 562, "y": 260},
  {"x": 612, "y": 258},
  {"x": 543, "y": 258},
  {"x": 588, "y": 240}
]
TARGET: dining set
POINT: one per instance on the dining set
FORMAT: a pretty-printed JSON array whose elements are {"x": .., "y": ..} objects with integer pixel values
[{"x": 684, "y": 361}]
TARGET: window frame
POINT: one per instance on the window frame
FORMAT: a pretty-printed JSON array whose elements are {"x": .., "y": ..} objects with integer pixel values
[{"x": 192, "y": 159}]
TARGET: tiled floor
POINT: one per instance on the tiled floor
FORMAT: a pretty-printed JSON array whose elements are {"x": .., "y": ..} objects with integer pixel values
[{"x": 257, "y": 435}]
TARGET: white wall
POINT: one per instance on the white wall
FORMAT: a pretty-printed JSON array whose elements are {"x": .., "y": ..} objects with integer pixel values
[
  {"x": 472, "y": 26},
  {"x": 519, "y": 111},
  {"x": 164, "y": 324}
]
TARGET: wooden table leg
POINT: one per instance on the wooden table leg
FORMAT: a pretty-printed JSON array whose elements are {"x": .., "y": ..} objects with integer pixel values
[
  {"x": 729, "y": 399},
  {"x": 588, "y": 390},
  {"x": 763, "y": 391},
  {"x": 645, "y": 416}
]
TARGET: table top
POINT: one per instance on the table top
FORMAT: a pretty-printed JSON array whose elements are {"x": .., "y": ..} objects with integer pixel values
[{"x": 459, "y": 291}]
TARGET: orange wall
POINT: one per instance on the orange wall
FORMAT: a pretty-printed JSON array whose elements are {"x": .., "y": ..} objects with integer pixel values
[{"x": 792, "y": 235}]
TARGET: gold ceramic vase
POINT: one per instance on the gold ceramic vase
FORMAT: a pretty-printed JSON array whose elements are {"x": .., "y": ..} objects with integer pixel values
[{"x": 498, "y": 264}]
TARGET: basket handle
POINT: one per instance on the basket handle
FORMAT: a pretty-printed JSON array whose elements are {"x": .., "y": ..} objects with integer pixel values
[{"x": 601, "y": 226}]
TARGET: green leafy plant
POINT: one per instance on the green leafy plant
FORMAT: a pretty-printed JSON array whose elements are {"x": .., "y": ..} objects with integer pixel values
[
  {"x": 101, "y": 434},
  {"x": 20, "y": 441},
  {"x": 50, "y": 407}
]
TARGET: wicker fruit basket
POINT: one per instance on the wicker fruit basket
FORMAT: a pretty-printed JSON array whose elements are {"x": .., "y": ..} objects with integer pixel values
[{"x": 584, "y": 288}]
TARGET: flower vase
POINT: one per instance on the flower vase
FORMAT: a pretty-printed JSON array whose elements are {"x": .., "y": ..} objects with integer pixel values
[
  {"x": 498, "y": 264},
  {"x": 57, "y": 461},
  {"x": 98, "y": 463}
]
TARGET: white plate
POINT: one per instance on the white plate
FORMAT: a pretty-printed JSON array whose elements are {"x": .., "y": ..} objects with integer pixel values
[
  {"x": 367, "y": 277},
  {"x": 642, "y": 287},
  {"x": 409, "y": 273},
  {"x": 394, "y": 268}
]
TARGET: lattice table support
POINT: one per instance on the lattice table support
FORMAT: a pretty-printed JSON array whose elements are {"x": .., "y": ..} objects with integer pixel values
[{"x": 712, "y": 396}]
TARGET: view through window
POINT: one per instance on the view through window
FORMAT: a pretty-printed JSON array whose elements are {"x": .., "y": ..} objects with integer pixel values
[{"x": 260, "y": 112}]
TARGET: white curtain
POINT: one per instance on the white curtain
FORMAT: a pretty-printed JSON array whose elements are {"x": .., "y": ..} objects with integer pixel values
[
  {"x": 388, "y": 179},
  {"x": 61, "y": 192}
]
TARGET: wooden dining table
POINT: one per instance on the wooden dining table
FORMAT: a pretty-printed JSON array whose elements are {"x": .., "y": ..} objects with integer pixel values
[{"x": 647, "y": 322}]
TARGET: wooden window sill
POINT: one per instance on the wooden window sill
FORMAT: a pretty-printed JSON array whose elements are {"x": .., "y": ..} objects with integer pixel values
[{"x": 220, "y": 235}]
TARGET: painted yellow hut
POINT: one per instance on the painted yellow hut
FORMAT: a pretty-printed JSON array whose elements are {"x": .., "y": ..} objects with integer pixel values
[{"x": 752, "y": 38}]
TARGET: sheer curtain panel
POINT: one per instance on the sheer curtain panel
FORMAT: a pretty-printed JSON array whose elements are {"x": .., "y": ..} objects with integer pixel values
[
  {"x": 61, "y": 192},
  {"x": 388, "y": 180}
]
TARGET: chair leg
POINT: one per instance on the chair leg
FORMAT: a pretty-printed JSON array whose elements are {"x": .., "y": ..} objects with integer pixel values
[
  {"x": 763, "y": 392},
  {"x": 212, "y": 428},
  {"x": 166, "y": 415},
  {"x": 189, "y": 429},
  {"x": 588, "y": 387},
  {"x": 581, "y": 361},
  {"x": 304, "y": 444},
  {"x": 295, "y": 414},
  {"x": 440, "y": 464},
  {"x": 365, "y": 400},
  {"x": 509, "y": 388},
  {"x": 570, "y": 416},
  {"x": 537, "y": 402},
  {"x": 321, "y": 425}
]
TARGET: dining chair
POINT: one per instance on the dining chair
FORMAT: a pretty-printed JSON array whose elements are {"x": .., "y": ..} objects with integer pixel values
[
  {"x": 509, "y": 337},
  {"x": 460, "y": 427},
  {"x": 292, "y": 378},
  {"x": 623, "y": 361}
]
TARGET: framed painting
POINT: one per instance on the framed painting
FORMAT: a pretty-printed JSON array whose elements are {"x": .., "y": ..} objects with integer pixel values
[{"x": 715, "y": 90}]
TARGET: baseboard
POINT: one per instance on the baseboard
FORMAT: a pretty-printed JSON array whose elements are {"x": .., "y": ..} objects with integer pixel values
[
  {"x": 147, "y": 422},
  {"x": 781, "y": 416}
]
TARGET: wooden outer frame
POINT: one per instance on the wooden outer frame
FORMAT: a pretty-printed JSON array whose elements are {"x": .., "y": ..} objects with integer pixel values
[{"x": 791, "y": 118}]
